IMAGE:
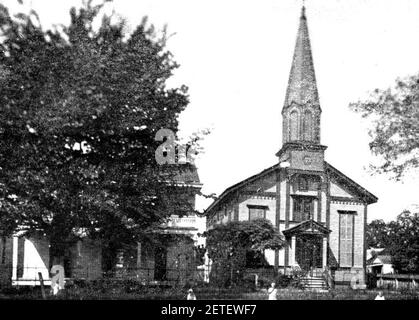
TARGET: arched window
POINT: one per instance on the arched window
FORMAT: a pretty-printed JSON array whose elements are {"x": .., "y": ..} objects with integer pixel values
[
  {"x": 293, "y": 125},
  {"x": 308, "y": 126}
]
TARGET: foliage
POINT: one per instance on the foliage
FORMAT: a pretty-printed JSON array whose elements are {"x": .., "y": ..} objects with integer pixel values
[
  {"x": 400, "y": 238},
  {"x": 404, "y": 246},
  {"x": 228, "y": 243},
  {"x": 200, "y": 254},
  {"x": 395, "y": 135},
  {"x": 377, "y": 234},
  {"x": 80, "y": 107},
  {"x": 283, "y": 281}
]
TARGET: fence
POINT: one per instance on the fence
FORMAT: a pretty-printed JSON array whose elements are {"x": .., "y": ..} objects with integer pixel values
[
  {"x": 29, "y": 276},
  {"x": 160, "y": 276},
  {"x": 397, "y": 281}
]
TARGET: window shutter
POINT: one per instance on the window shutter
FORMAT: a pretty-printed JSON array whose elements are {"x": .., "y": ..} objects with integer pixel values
[{"x": 346, "y": 240}]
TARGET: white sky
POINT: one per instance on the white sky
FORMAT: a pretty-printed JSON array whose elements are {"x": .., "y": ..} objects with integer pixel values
[{"x": 235, "y": 57}]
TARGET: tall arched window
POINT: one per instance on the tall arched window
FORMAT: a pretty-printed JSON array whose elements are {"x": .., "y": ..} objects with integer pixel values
[
  {"x": 308, "y": 126},
  {"x": 293, "y": 125}
]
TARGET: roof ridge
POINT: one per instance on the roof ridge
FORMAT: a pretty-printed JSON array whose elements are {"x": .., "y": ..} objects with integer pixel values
[
  {"x": 360, "y": 188},
  {"x": 239, "y": 184}
]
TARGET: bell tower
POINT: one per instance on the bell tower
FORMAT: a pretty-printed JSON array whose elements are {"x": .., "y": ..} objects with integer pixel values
[{"x": 301, "y": 111}]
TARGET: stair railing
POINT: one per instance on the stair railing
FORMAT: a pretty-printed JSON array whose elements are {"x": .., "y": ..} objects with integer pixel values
[{"x": 328, "y": 278}]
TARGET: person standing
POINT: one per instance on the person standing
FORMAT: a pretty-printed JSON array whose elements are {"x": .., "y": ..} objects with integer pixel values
[
  {"x": 380, "y": 296},
  {"x": 191, "y": 295},
  {"x": 272, "y": 292}
]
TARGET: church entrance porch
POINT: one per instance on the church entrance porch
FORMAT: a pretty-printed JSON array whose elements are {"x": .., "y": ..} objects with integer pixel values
[{"x": 307, "y": 249}]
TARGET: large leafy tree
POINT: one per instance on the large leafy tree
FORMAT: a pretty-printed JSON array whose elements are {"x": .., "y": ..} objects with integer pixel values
[
  {"x": 229, "y": 244},
  {"x": 377, "y": 235},
  {"x": 80, "y": 108},
  {"x": 394, "y": 113},
  {"x": 404, "y": 242},
  {"x": 400, "y": 238}
]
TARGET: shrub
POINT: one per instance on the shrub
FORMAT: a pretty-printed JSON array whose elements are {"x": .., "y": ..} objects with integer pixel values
[
  {"x": 283, "y": 281},
  {"x": 265, "y": 281},
  {"x": 248, "y": 282}
]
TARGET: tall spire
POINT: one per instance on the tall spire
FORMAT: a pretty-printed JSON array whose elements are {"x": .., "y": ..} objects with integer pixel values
[
  {"x": 301, "y": 113},
  {"x": 302, "y": 88}
]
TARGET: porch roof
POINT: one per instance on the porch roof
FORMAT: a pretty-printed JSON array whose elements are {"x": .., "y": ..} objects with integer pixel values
[{"x": 308, "y": 227}]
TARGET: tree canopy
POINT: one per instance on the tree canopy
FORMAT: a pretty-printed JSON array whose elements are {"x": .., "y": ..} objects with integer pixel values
[
  {"x": 80, "y": 108},
  {"x": 400, "y": 238},
  {"x": 228, "y": 244},
  {"x": 377, "y": 234},
  {"x": 395, "y": 134}
]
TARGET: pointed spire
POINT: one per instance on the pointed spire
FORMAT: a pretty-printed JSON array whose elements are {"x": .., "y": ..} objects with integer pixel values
[{"x": 302, "y": 87}]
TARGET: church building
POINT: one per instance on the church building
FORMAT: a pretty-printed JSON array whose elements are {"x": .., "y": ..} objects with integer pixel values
[{"x": 321, "y": 212}]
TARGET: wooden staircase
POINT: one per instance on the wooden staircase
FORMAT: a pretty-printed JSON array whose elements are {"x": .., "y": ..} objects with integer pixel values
[
  {"x": 314, "y": 283},
  {"x": 314, "y": 280}
]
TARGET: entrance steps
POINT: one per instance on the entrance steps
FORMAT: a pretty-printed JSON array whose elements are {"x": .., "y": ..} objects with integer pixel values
[{"x": 314, "y": 283}]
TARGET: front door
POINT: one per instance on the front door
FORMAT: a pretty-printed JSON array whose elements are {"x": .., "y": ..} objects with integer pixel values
[{"x": 309, "y": 252}]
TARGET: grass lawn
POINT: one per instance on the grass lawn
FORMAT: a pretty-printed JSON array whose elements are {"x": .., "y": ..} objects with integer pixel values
[
  {"x": 338, "y": 294},
  {"x": 203, "y": 294}
]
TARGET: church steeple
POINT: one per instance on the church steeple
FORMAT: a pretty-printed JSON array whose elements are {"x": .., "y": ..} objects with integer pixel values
[{"x": 301, "y": 111}]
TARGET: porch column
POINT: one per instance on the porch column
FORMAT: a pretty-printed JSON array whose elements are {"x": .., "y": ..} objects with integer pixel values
[
  {"x": 324, "y": 252},
  {"x": 292, "y": 252},
  {"x": 14, "y": 258},
  {"x": 314, "y": 214}
]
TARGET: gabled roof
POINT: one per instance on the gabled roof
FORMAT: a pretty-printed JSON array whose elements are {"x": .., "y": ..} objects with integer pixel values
[
  {"x": 239, "y": 185},
  {"x": 385, "y": 259},
  {"x": 379, "y": 260},
  {"x": 181, "y": 174},
  {"x": 307, "y": 227},
  {"x": 380, "y": 256},
  {"x": 363, "y": 194}
]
